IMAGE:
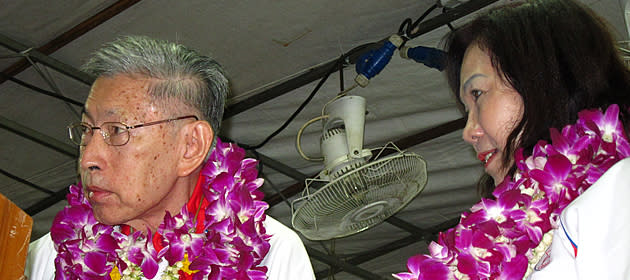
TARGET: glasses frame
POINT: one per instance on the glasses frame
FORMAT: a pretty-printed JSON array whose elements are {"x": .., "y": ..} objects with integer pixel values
[{"x": 106, "y": 136}]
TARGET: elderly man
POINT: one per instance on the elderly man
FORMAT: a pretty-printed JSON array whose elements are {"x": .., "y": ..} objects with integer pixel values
[{"x": 160, "y": 196}]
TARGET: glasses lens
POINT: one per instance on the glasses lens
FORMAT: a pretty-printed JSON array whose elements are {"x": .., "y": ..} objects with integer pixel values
[
  {"x": 80, "y": 133},
  {"x": 116, "y": 133}
]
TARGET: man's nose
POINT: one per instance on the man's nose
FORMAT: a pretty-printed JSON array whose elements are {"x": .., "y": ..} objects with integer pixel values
[{"x": 92, "y": 155}]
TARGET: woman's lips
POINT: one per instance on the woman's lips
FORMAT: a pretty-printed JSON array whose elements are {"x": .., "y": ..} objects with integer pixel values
[{"x": 487, "y": 157}]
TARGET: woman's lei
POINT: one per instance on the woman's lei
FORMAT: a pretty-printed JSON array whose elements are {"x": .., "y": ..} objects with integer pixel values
[
  {"x": 503, "y": 238},
  {"x": 231, "y": 245}
]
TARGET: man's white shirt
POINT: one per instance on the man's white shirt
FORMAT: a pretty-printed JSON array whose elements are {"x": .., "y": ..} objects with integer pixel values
[{"x": 286, "y": 260}]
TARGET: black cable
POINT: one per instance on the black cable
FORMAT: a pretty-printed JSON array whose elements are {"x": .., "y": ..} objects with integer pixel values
[
  {"x": 407, "y": 26},
  {"x": 341, "y": 73},
  {"x": 40, "y": 90},
  {"x": 404, "y": 26},
  {"x": 444, "y": 10},
  {"x": 299, "y": 109},
  {"x": 424, "y": 15},
  {"x": 340, "y": 64}
]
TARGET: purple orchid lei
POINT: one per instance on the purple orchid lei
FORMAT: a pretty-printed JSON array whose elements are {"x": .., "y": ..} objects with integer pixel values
[
  {"x": 499, "y": 239},
  {"x": 232, "y": 245}
]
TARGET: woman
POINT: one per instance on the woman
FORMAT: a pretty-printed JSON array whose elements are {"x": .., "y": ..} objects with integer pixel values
[{"x": 547, "y": 99}]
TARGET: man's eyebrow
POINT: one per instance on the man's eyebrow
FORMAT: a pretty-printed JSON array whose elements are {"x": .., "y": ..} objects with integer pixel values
[{"x": 85, "y": 112}]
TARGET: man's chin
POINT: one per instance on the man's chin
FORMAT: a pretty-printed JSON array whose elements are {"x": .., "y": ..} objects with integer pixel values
[{"x": 107, "y": 219}]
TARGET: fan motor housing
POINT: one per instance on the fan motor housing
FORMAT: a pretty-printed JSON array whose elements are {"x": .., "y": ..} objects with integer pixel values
[{"x": 334, "y": 147}]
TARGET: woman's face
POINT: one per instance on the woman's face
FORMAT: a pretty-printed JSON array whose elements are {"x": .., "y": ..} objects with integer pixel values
[{"x": 493, "y": 107}]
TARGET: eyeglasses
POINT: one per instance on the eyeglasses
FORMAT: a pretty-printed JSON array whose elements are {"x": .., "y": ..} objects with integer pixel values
[{"x": 114, "y": 133}]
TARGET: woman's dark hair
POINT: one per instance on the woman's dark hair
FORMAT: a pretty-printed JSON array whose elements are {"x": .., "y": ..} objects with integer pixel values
[{"x": 557, "y": 54}]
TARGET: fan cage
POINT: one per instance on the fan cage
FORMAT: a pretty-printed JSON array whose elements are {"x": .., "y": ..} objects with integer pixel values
[{"x": 360, "y": 198}]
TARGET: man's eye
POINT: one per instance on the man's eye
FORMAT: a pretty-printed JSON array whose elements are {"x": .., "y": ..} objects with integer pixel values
[
  {"x": 84, "y": 129},
  {"x": 116, "y": 130},
  {"x": 476, "y": 93}
]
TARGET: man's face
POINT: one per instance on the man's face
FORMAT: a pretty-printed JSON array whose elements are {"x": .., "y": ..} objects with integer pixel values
[{"x": 128, "y": 184}]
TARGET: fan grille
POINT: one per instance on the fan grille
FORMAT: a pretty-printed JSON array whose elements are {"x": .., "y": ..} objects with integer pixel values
[{"x": 361, "y": 198}]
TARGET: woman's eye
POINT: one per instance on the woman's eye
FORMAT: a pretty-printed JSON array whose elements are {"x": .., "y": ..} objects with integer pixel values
[{"x": 476, "y": 93}]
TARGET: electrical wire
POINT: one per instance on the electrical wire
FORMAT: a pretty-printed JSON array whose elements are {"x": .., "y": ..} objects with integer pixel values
[
  {"x": 444, "y": 10},
  {"x": 342, "y": 59},
  {"x": 344, "y": 92},
  {"x": 341, "y": 84},
  {"x": 298, "y": 139},
  {"x": 407, "y": 27},
  {"x": 339, "y": 63},
  {"x": 299, "y": 109}
]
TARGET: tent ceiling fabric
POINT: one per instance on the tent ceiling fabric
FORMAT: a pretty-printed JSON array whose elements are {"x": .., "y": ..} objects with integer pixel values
[{"x": 261, "y": 44}]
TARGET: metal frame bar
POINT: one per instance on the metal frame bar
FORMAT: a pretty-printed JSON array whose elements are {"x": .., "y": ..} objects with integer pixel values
[
  {"x": 424, "y": 234},
  {"x": 46, "y": 60},
  {"x": 77, "y": 31},
  {"x": 334, "y": 261},
  {"x": 25, "y": 182},
  {"x": 39, "y": 137}
]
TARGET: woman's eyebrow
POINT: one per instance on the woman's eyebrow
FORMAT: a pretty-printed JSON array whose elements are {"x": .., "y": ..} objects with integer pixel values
[{"x": 466, "y": 84}]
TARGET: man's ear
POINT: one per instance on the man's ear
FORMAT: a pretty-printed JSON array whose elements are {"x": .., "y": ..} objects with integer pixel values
[{"x": 197, "y": 141}]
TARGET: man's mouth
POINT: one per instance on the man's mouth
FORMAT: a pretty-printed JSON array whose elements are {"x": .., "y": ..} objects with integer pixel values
[
  {"x": 486, "y": 157},
  {"x": 96, "y": 194}
]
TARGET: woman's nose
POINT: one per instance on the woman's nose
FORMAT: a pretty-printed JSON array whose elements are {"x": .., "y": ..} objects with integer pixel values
[{"x": 472, "y": 131}]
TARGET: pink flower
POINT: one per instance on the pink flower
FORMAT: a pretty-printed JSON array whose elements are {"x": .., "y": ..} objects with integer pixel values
[
  {"x": 179, "y": 237},
  {"x": 607, "y": 125},
  {"x": 140, "y": 252},
  {"x": 424, "y": 268},
  {"x": 556, "y": 180},
  {"x": 576, "y": 148}
]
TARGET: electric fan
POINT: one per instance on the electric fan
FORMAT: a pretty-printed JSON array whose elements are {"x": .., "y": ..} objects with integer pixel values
[{"x": 354, "y": 191}]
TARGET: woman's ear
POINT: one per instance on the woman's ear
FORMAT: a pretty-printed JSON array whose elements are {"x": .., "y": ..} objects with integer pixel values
[{"x": 197, "y": 139}]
